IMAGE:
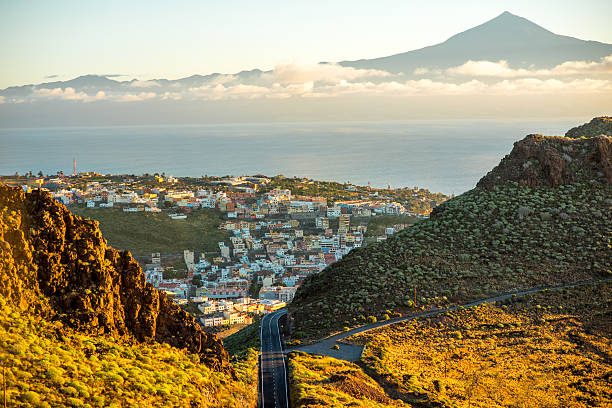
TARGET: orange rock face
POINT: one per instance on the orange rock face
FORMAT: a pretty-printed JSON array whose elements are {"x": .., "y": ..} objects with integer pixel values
[
  {"x": 59, "y": 264},
  {"x": 585, "y": 154}
]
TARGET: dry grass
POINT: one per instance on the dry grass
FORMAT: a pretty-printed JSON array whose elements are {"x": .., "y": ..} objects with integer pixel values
[
  {"x": 326, "y": 382},
  {"x": 553, "y": 349}
]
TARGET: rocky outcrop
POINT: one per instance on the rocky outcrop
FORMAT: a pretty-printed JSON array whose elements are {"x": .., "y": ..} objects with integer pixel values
[
  {"x": 597, "y": 126},
  {"x": 56, "y": 263},
  {"x": 585, "y": 154}
]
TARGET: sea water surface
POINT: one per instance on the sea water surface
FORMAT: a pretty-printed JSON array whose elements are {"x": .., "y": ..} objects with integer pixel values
[{"x": 443, "y": 156}]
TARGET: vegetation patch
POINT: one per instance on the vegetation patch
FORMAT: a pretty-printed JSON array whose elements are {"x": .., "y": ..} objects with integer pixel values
[
  {"x": 551, "y": 349},
  {"x": 143, "y": 233},
  {"x": 50, "y": 365},
  {"x": 318, "y": 381},
  {"x": 483, "y": 243},
  {"x": 248, "y": 338}
]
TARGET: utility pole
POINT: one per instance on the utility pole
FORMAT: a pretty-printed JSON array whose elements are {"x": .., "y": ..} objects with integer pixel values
[{"x": 4, "y": 382}]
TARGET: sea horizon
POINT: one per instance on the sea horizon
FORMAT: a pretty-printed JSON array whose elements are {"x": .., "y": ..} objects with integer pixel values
[{"x": 442, "y": 155}]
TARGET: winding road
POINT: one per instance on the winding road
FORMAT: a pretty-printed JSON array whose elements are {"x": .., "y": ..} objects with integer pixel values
[
  {"x": 273, "y": 368},
  {"x": 352, "y": 352}
]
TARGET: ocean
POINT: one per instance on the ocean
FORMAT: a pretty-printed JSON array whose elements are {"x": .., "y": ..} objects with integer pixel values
[{"x": 443, "y": 156}]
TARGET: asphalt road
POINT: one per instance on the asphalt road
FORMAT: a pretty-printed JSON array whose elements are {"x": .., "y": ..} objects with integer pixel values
[
  {"x": 273, "y": 369},
  {"x": 353, "y": 352}
]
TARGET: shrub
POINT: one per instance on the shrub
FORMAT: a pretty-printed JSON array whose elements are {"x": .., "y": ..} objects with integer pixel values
[{"x": 30, "y": 397}]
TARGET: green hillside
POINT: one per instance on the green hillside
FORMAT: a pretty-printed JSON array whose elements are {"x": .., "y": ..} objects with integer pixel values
[
  {"x": 143, "y": 233},
  {"x": 527, "y": 225}
]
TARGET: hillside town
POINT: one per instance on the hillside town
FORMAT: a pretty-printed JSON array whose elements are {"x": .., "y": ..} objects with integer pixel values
[{"x": 275, "y": 237}]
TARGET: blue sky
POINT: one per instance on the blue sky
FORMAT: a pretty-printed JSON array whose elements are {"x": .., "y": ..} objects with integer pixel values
[{"x": 149, "y": 39}]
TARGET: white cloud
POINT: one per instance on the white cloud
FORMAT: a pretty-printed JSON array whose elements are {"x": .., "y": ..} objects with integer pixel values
[
  {"x": 67, "y": 94},
  {"x": 175, "y": 96},
  {"x": 292, "y": 73},
  {"x": 583, "y": 67},
  {"x": 145, "y": 84},
  {"x": 521, "y": 86},
  {"x": 137, "y": 97},
  {"x": 331, "y": 80},
  {"x": 550, "y": 86},
  {"x": 501, "y": 69}
]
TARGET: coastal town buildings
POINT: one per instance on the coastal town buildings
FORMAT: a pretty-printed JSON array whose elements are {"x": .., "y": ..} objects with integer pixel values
[{"x": 276, "y": 238}]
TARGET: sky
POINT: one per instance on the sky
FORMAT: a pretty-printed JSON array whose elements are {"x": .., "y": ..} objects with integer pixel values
[{"x": 44, "y": 41}]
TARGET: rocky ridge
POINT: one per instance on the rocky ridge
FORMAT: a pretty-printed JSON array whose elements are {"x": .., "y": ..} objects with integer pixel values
[
  {"x": 59, "y": 265},
  {"x": 585, "y": 153}
]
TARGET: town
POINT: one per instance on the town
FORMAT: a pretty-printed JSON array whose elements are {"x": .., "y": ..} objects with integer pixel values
[{"x": 278, "y": 231}]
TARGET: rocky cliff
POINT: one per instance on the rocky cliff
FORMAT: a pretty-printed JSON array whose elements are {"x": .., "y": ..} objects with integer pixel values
[
  {"x": 541, "y": 218},
  {"x": 584, "y": 154},
  {"x": 59, "y": 265}
]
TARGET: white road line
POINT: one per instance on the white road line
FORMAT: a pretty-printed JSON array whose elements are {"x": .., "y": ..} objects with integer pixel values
[
  {"x": 261, "y": 359},
  {"x": 283, "y": 357}
]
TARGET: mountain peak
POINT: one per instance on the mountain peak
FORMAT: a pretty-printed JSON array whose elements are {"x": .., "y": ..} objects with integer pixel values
[{"x": 503, "y": 29}]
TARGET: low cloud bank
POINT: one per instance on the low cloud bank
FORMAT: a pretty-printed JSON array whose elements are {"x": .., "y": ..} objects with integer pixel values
[
  {"x": 331, "y": 80},
  {"x": 500, "y": 69}
]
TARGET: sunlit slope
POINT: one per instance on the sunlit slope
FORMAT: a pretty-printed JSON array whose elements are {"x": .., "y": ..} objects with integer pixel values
[
  {"x": 550, "y": 349},
  {"x": 534, "y": 221},
  {"x": 51, "y": 365}
]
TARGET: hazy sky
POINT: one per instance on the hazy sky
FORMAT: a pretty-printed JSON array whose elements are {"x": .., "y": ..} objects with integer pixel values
[{"x": 48, "y": 40}]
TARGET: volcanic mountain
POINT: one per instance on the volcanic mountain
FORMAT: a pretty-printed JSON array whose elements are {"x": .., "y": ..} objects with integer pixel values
[{"x": 520, "y": 42}]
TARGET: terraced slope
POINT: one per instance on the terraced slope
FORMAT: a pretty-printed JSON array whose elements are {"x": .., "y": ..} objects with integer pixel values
[{"x": 542, "y": 217}]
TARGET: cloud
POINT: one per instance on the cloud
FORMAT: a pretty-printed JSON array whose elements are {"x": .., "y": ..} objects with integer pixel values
[
  {"x": 525, "y": 86},
  {"x": 501, "y": 69},
  {"x": 292, "y": 73},
  {"x": 583, "y": 67},
  {"x": 332, "y": 80},
  {"x": 68, "y": 94},
  {"x": 137, "y": 97},
  {"x": 175, "y": 96},
  {"x": 51, "y": 76},
  {"x": 144, "y": 84}
]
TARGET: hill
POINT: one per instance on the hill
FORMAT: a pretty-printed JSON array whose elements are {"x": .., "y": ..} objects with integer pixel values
[
  {"x": 507, "y": 37},
  {"x": 143, "y": 233},
  {"x": 61, "y": 287},
  {"x": 542, "y": 217},
  {"x": 546, "y": 349}
]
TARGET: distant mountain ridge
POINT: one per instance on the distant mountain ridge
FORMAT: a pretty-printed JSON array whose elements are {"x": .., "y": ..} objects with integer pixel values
[{"x": 506, "y": 37}]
